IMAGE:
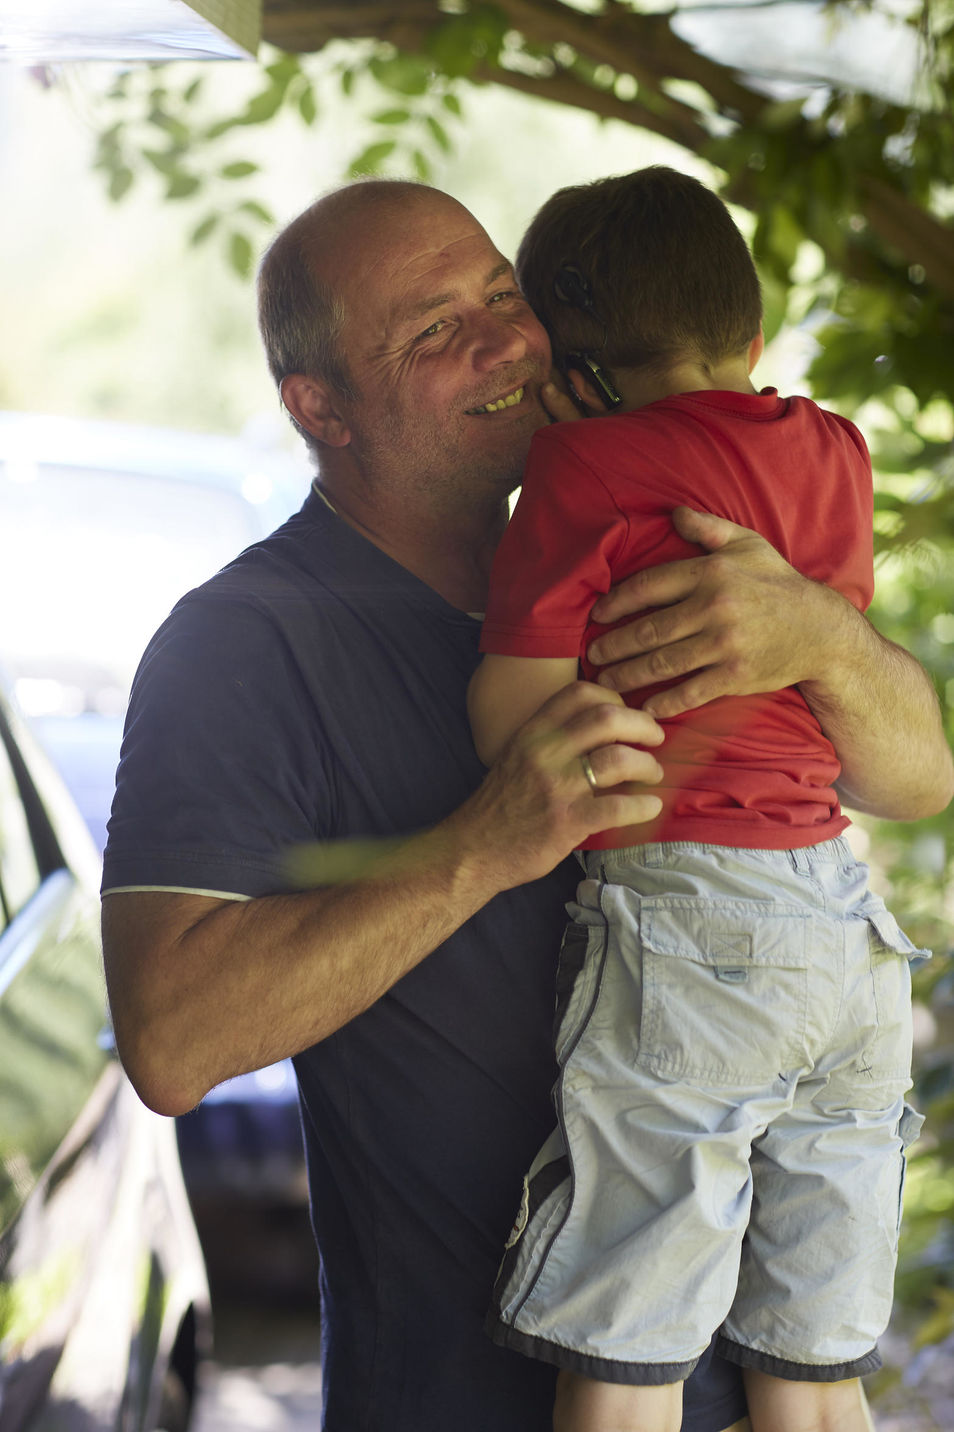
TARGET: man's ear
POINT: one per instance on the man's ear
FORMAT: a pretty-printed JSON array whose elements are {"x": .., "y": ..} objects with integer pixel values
[
  {"x": 315, "y": 407},
  {"x": 756, "y": 348},
  {"x": 586, "y": 394}
]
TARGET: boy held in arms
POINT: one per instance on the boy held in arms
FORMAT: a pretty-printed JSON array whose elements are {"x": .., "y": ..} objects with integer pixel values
[{"x": 734, "y": 1031}]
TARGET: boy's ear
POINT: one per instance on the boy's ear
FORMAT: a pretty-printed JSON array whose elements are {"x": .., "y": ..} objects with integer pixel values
[
  {"x": 756, "y": 348},
  {"x": 315, "y": 407},
  {"x": 585, "y": 393}
]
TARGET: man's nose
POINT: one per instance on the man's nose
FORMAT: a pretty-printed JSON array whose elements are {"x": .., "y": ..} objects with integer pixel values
[{"x": 496, "y": 339}]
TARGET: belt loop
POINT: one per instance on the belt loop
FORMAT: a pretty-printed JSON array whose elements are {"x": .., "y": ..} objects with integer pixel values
[{"x": 801, "y": 860}]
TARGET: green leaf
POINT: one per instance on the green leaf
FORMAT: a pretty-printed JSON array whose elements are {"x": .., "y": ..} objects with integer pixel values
[
  {"x": 452, "y": 104},
  {"x": 405, "y": 74},
  {"x": 238, "y": 169},
  {"x": 370, "y": 160},
  {"x": 178, "y": 132},
  {"x": 257, "y": 210},
  {"x": 220, "y": 127},
  {"x": 774, "y": 305},
  {"x": 110, "y": 138},
  {"x": 438, "y": 133},
  {"x": 120, "y": 182},
  {"x": 259, "y": 110},
  {"x": 422, "y": 166},
  {"x": 308, "y": 105},
  {"x": 240, "y": 254},
  {"x": 264, "y": 106},
  {"x": 391, "y": 116},
  {"x": 781, "y": 236},
  {"x": 283, "y": 70},
  {"x": 191, "y": 92},
  {"x": 202, "y": 231},
  {"x": 164, "y": 160},
  {"x": 466, "y": 40},
  {"x": 182, "y": 186}
]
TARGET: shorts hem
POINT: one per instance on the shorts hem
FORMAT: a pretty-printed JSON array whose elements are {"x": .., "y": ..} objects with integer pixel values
[
  {"x": 600, "y": 1369},
  {"x": 798, "y": 1371}
]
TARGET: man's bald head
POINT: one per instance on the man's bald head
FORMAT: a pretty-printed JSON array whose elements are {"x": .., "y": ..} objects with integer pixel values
[{"x": 300, "y": 308}]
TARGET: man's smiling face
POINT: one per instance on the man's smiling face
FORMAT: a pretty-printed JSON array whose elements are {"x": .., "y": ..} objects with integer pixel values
[{"x": 446, "y": 355}]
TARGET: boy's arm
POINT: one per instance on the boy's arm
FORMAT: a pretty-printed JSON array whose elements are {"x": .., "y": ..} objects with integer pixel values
[{"x": 505, "y": 691}]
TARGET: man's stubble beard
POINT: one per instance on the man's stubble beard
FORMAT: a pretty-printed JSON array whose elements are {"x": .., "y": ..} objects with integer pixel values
[{"x": 458, "y": 479}]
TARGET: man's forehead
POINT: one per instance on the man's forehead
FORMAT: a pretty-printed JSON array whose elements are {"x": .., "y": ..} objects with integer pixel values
[{"x": 431, "y": 290}]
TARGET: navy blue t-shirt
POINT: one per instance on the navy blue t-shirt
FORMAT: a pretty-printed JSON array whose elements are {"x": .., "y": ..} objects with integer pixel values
[{"x": 316, "y": 690}]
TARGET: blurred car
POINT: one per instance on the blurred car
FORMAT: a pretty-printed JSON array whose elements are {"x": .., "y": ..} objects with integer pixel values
[
  {"x": 103, "y": 526},
  {"x": 103, "y": 1296}
]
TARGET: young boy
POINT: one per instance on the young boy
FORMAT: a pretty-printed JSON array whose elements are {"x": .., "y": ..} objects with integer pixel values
[{"x": 733, "y": 1024}]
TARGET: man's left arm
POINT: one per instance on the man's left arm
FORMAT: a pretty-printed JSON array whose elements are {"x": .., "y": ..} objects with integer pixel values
[{"x": 738, "y": 619}]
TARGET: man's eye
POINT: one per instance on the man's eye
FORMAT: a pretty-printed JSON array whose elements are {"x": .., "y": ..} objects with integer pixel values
[{"x": 429, "y": 332}]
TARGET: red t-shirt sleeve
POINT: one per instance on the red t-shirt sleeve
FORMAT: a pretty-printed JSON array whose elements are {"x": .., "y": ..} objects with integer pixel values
[{"x": 556, "y": 555}]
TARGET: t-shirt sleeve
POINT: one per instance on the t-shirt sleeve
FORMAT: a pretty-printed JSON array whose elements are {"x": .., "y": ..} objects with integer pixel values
[
  {"x": 221, "y": 768},
  {"x": 556, "y": 555}
]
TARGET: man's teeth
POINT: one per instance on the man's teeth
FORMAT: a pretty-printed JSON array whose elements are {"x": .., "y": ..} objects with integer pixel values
[{"x": 510, "y": 401}]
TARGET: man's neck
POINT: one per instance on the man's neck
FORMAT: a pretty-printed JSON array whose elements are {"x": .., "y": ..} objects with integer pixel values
[{"x": 452, "y": 554}]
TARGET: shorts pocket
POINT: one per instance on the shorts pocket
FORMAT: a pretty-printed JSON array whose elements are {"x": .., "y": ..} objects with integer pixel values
[
  {"x": 725, "y": 989},
  {"x": 888, "y": 1055}
]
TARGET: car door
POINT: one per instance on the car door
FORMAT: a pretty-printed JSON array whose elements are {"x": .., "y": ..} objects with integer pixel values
[{"x": 94, "y": 1225}]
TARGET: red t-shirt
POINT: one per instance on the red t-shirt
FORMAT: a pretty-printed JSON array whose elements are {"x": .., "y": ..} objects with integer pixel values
[{"x": 596, "y": 505}]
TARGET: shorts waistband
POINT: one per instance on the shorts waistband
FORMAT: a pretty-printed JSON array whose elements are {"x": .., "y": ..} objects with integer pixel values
[{"x": 835, "y": 851}]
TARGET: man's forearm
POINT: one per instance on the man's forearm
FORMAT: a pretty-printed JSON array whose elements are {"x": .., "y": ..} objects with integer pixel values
[
  {"x": 877, "y": 706},
  {"x": 202, "y": 988}
]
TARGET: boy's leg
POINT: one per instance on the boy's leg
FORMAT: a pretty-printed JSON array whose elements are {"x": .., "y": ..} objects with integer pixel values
[
  {"x": 779, "y": 1405},
  {"x": 584, "y": 1405}
]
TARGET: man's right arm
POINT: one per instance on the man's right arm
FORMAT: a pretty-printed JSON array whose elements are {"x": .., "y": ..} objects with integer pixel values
[{"x": 202, "y": 988}]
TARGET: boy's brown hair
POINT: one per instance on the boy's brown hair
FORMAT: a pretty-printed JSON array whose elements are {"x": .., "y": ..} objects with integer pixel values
[{"x": 657, "y": 269}]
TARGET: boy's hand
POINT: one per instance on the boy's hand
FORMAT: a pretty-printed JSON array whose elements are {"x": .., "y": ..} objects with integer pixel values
[
  {"x": 557, "y": 401},
  {"x": 734, "y": 621}
]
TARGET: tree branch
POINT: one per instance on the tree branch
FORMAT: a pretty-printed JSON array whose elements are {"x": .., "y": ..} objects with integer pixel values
[
  {"x": 682, "y": 125},
  {"x": 642, "y": 45}
]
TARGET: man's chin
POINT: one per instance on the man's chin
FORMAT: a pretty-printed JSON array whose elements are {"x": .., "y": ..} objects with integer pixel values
[{"x": 510, "y": 453}]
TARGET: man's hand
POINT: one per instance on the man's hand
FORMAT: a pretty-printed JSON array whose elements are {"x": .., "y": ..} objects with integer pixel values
[
  {"x": 735, "y": 620},
  {"x": 738, "y": 619},
  {"x": 536, "y": 803}
]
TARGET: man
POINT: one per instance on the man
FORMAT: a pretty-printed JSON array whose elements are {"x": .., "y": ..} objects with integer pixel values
[{"x": 315, "y": 691}]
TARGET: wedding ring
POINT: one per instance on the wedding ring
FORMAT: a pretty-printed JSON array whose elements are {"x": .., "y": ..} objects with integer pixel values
[{"x": 589, "y": 773}]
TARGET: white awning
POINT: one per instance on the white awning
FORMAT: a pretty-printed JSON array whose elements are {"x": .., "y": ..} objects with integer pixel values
[{"x": 36, "y": 32}]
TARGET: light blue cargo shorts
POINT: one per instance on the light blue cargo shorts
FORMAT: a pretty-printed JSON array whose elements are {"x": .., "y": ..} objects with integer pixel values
[{"x": 734, "y": 1042}]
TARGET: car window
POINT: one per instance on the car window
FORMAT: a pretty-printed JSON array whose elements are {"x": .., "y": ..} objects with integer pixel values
[
  {"x": 52, "y": 995},
  {"x": 20, "y": 874}
]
